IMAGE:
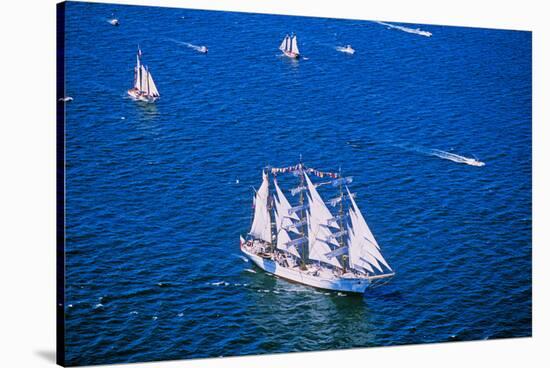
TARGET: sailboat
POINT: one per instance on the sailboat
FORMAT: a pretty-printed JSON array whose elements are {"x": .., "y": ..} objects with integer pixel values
[
  {"x": 289, "y": 47},
  {"x": 144, "y": 86},
  {"x": 113, "y": 20},
  {"x": 306, "y": 242}
]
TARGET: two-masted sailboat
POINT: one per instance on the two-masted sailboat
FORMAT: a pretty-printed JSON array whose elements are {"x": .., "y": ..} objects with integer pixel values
[
  {"x": 144, "y": 86},
  {"x": 307, "y": 243},
  {"x": 289, "y": 47}
]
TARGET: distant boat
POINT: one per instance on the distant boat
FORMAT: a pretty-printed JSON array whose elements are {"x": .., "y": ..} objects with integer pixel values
[
  {"x": 348, "y": 49},
  {"x": 114, "y": 22},
  {"x": 310, "y": 244},
  {"x": 144, "y": 86},
  {"x": 289, "y": 47},
  {"x": 203, "y": 49},
  {"x": 457, "y": 158}
]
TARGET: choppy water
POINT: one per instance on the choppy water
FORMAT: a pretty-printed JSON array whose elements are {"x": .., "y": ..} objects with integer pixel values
[{"x": 154, "y": 210}]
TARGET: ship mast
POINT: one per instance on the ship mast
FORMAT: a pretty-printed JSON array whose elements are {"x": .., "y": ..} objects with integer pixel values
[
  {"x": 269, "y": 208},
  {"x": 304, "y": 246},
  {"x": 341, "y": 216}
]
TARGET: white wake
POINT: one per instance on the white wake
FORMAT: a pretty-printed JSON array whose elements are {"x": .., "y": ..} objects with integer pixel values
[
  {"x": 455, "y": 158},
  {"x": 442, "y": 154},
  {"x": 417, "y": 31},
  {"x": 201, "y": 49}
]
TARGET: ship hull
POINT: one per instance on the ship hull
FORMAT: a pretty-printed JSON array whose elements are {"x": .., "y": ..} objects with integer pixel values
[
  {"x": 344, "y": 285},
  {"x": 138, "y": 96},
  {"x": 291, "y": 55}
]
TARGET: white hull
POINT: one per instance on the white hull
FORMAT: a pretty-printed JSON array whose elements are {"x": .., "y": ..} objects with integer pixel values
[
  {"x": 138, "y": 96},
  {"x": 346, "y": 50},
  {"x": 350, "y": 285},
  {"x": 291, "y": 55}
]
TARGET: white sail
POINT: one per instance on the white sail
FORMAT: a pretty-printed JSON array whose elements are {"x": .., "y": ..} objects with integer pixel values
[
  {"x": 359, "y": 258},
  {"x": 283, "y": 222},
  {"x": 318, "y": 240},
  {"x": 323, "y": 211},
  {"x": 143, "y": 79},
  {"x": 284, "y": 44},
  {"x": 282, "y": 206},
  {"x": 283, "y": 239},
  {"x": 354, "y": 256},
  {"x": 137, "y": 74},
  {"x": 294, "y": 45},
  {"x": 152, "y": 88},
  {"x": 364, "y": 248},
  {"x": 261, "y": 225}
]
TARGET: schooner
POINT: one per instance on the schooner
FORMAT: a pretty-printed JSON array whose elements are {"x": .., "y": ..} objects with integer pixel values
[
  {"x": 306, "y": 242},
  {"x": 289, "y": 47},
  {"x": 144, "y": 86}
]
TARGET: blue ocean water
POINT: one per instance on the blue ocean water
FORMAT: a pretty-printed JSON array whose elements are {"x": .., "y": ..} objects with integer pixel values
[{"x": 157, "y": 195}]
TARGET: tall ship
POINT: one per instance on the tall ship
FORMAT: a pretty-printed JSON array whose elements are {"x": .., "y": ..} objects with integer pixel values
[
  {"x": 144, "y": 88},
  {"x": 289, "y": 47},
  {"x": 321, "y": 243}
]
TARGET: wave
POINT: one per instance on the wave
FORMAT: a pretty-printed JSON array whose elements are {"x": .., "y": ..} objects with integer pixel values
[
  {"x": 417, "y": 31},
  {"x": 250, "y": 270},
  {"x": 220, "y": 283}
]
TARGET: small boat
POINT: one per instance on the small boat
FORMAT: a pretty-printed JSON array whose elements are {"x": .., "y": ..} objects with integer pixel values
[
  {"x": 457, "y": 158},
  {"x": 475, "y": 162},
  {"x": 114, "y": 22},
  {"x": 348, "y": 49},
  {"x": 144, "y": 86},
  {"x": 202, "y": 49},
  {"x": 310, "y": 244},
  {"x": 289, "y": 47}
]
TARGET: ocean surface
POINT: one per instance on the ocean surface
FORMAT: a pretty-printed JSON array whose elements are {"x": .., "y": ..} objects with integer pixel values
[{"x": 158, "y": 194}]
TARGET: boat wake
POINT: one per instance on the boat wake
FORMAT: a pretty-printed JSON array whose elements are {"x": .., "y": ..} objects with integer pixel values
[
  {"x": 456, "y": 158},
  {"x": 201, "y": 49},
  {"x": 417, "y": 31},
  {"x": 442, "y": 154}
]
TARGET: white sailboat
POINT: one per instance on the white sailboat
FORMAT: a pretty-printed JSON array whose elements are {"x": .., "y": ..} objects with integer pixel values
[
  {"x": 144, "y": 88},
  {"x": 311, "y": 245},
  {"x": 113, "y": 20},
  {"x": 289, "y": 47}
]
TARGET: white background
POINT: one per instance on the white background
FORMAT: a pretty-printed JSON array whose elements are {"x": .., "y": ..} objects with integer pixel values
[{"x": 27, "y": 183}]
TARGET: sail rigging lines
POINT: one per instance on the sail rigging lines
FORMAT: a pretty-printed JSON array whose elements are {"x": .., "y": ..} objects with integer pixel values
[
  {"x": 364, "y": 249},
  {"x": 261, "y": 225},
  {"x": 309, "y": 244},
  {"x": 342, "y": 240},
  {"x": 289, "y": 46},
  {"x": 144, "y": 87}
]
